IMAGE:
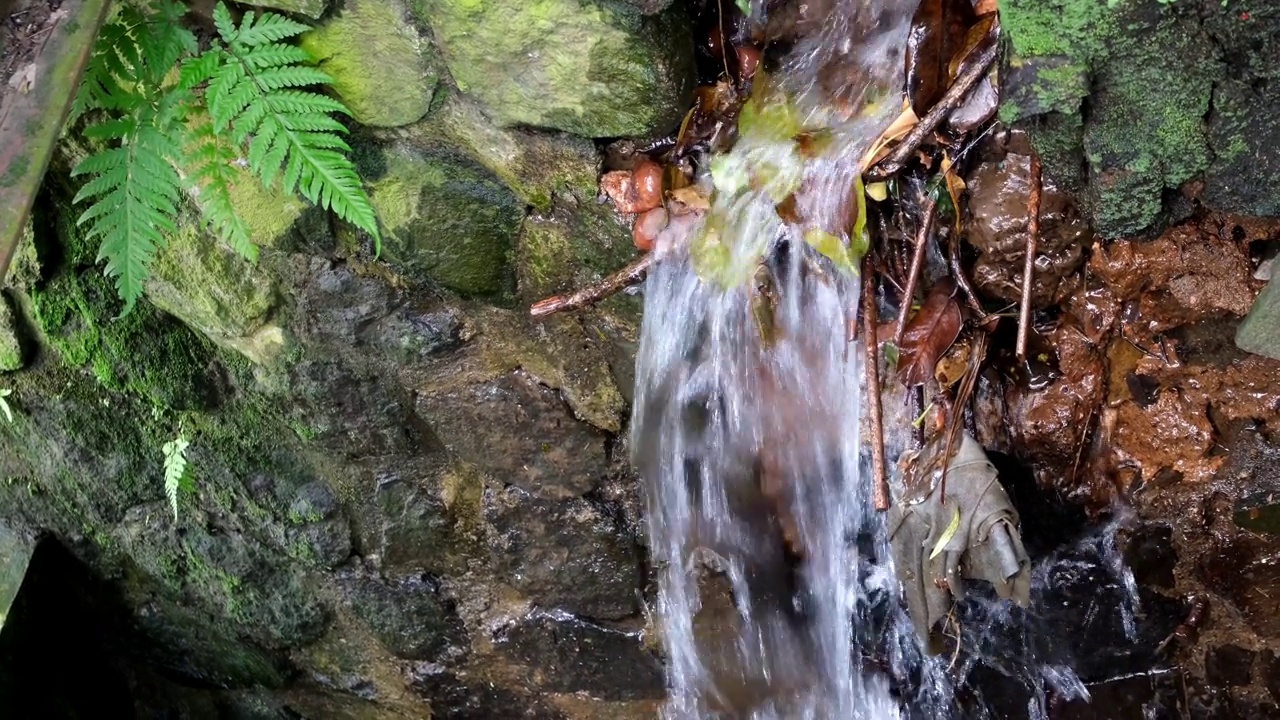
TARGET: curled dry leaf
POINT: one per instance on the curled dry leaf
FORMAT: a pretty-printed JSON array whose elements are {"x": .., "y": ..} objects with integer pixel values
[
  {"x": 951, "y": 367},
  {"x": 691, "y": 197},
  {"x": 929, "y": 334},
  {"x": 897, "y": 130}
]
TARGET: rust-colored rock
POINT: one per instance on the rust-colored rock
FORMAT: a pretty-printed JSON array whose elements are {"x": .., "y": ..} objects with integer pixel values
[{"x": 636, "y": 191}]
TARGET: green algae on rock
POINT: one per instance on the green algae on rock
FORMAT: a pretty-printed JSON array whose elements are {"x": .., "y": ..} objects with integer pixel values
[
  {"x": 584, "y": 67},
  {"x": 447, "y": 220},
  {"x": 11, "y": 355},
  {"x": 570, "y": 247},
  {"x": 381, "y": 67},
  {"x": 308, "y": 8}
]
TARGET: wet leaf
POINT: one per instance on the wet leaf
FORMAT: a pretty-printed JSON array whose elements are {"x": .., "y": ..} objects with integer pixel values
[
  {"x": 938, "y": 32},
  {"x": 951, "y": 367},
  {"x": 714, "y": 261},
  {"x": 858, "y": 227},
  {"x": 952, "y": 528},
  {"x": 787, "y": 210},
  {"x": 691, "y": 197},
  {"x": 713, "y": 106},
  {"x": 833, "y": 248},
  {"x": 929, "y": 334},
  {"x": 729, "y": 174},
  {"x": 897, "y": 130},
  {"x": 976, "y": 39},
  {"x": 878, "y": 191},
  {"x": 744, "y": 6},
  {"x": 955, "y": 186},
  {"x": 778, "y": 176},
  {"x": 768, "y": 113}
]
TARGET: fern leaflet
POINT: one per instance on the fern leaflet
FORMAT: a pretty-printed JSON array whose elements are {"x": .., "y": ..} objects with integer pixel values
[
  {"x": 255, "y": 94},
  {"x": 177, "y": 475}
]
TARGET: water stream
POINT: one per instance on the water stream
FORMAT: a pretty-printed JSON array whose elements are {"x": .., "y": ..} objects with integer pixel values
[{"x": 777, "y": 595}]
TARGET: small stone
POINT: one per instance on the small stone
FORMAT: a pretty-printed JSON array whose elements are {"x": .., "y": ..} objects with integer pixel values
[
  {"x": 1229, "y": 665},
  {"x": 1259, "y": 332},
  {"x": 381, "y": 67},
  {"x": 567, "y": 655},
  {"x": 566, "y": 555}
]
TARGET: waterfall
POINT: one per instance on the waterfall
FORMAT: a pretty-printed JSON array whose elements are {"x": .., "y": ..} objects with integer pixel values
[{"x": 746, "y": 428}]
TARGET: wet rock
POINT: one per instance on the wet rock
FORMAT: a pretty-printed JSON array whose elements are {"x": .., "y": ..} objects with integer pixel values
[
  {"x": 650, "y": 7},
  {"x": 382, "y": 69},
  {"x": 1047, "y": 416},
  {"x": 1190, "y": 273},
  {"x": 1246, "y": 571},
  {"x": 407, "y": 614},
  {"x": 429, "y": 524},
  {"x": 1259, "y": 332},
  {"x": 1159, "y": 694},
  {"x": 1229, "y": 665},
  {"x": 998, "y": 192},
  {"x": 1151, "y": 554},
  {"x": 454, "y": 697},
  {"x": 589, "y": 69},
  {"x": 565, "y": 555},
  {"x": 319, "y": 526},
  {"x": 446, "y": 220},
  {"x": 1270, "y": 670},
  {"x": 568, "y": 248},
  {"x": 520, "y": 432},
  {"x": 1168, "y": 439},
  {"x": 568, "y": 655},
  {"x": 352, "y": 414}
]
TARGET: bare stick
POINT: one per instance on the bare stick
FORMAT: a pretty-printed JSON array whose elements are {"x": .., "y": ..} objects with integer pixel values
[
  {"x": 869, "y": 321},
  {"x": 632, "y": 274},
  {"x": 895, "y": 160},
  {"x": 1029, "y": 266},
  {"x": 917, "y": 263}
]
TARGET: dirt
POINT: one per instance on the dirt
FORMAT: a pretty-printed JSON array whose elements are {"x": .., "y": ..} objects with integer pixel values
[{"x": 23, "y": 32}]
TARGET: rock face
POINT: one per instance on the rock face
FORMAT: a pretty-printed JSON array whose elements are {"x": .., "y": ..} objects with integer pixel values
[
  {"x": 589, "y": 68},
  {"x": 1130, "y": 101}
]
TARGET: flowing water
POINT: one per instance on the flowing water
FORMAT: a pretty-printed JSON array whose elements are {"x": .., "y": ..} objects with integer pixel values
[{"x": 777, "y": 598}]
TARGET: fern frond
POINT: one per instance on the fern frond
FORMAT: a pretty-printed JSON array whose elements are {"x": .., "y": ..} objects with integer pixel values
[
  {"x": 256, "y": 94},
  {"x": 176, "y": 473},
  {"x": 209, "y": 164},
  {"x": 135, "y": 192},
  {"x": 199, "y": 69}
]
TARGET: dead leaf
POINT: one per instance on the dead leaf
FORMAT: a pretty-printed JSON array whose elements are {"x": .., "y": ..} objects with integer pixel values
[
  {"x": 947, "y": 534},
  {"x": 929, "y": 334},
  {"x": 955, "y": 186},
  {"x": 976, "y": 39},
  {"x": 713, "y": 105},
  {"x": 986, "y": 6},
  {"x": 878, "y": 191},
  {"x": 938, "y": 32},
  {"x": 24, "y": 78},
  {"x": 691, "y": 197},
  {"x": 787, "y": 210},
  {"x": 897, "y": 130},
  {"x": 953, "y": 364}
]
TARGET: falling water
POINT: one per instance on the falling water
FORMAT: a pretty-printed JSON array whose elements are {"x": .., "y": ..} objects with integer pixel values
[
  {"x": 777, "y": 596},
  {"x": 751, "y": 448}
]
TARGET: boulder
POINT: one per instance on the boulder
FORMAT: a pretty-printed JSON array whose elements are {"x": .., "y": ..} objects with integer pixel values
[
  {"x": 445, "y": 220},
  {"x": 589, "y": 68},
  {"x": 382, "y": 69}
]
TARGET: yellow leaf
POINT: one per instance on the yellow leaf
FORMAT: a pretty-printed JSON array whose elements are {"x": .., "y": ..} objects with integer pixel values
[
  {"x": 896, "y": 131},
  {"x": 947, "y": 534},
  {"x": 832, "y": 247},
  {"x": 691, "y": 197},
  {"x": 878, "y": 191}
]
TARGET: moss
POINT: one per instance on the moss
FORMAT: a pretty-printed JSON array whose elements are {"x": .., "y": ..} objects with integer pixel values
[
  {"x": 570, "y": 247},
  {"x": 269, "y": 212},
  {"x": 447, "y": 221},
  {"x": 381, "y": 68},
  {"x": 587, "y": 68}
]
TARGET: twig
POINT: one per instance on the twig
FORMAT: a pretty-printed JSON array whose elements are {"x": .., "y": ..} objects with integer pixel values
[
  {"x": 1029, "y": 265},
  {"x": 895, "y": 160},
  {"x": 632, "y": 274},
  {"x": 869, "y": 321},
  {"x": 917, "y": 263},
  {"x": 967, "y": 385},
  {"x": 957, "y": 271}
]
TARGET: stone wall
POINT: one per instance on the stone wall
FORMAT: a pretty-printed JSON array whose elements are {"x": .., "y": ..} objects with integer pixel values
[{"x": 407, "y": 495}]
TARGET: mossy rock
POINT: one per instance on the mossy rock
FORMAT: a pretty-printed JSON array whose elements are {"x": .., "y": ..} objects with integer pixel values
[
  {"x": 382, "y": 69},
  {"x": 307, "y": 8},
  {"x": 1148, "y": 73},
  {"x": 589, "y": 68},
  {"x": 11, "y": 352},
  {"x": 536, "y": 165},
  {"x": 569, "y": 247},
  {"x": 218, "y": 293},
  {"x": 445, "y": 220}
]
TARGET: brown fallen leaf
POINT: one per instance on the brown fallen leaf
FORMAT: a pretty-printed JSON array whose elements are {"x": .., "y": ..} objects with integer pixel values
[
  {"x": 929, "y": 334},
  {"x": 938, "y": 32},
  {"x": 986, "y": 6},
  {"x": 955, "y": 186},
  {"x": 951, "y": 367}
]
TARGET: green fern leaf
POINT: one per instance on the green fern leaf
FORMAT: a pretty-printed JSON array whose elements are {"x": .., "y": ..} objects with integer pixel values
[
  {"x": 176, "y": 473},
  {"x": 256, "y": 94},
  {"x": 200, "y": 69},
  {"x": 210, "y": 160}
]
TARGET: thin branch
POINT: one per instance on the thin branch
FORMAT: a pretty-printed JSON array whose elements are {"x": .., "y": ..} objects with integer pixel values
[
  {"x": 632, "y": 274},
  {"x": 917, "y": 263},
  {"x": 1029, "y": 266},
  {"x": 896, "y": 160},
  {"x": 869, "y": 321}
]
